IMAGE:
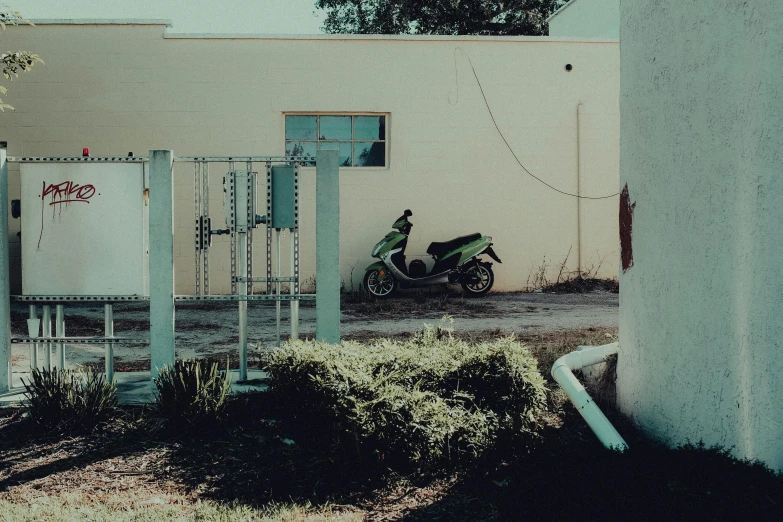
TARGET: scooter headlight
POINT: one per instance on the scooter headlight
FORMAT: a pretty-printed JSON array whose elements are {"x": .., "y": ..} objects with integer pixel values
[{"x": 378, "y": 248}]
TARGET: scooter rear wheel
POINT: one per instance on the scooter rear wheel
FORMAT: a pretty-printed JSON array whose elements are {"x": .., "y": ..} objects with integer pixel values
[
  {"x": 485, "y": 278},
  {"x": 377, "y": 288}
]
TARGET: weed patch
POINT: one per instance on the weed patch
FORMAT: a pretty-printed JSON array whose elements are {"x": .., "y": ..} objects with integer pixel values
[
  {"x": 67, "y": 402},
  {"x": 192, "y": 394}
]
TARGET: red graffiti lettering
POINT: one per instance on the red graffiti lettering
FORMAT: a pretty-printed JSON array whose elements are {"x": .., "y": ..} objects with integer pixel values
[
  {"x": 68, "y": 192},
  {"x": 63, "y": 193}
]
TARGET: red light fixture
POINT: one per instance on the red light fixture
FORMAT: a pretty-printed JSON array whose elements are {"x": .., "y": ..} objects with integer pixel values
[{"x": 86, "y": 152}]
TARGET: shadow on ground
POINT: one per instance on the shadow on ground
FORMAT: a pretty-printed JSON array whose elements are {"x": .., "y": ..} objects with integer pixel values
[{"x": 252, "y": 462}]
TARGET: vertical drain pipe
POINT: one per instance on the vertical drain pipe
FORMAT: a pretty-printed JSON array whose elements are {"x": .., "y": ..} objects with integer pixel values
[
  {"x": 578, "y": 192},
  {"x": 592, "y": 414}
]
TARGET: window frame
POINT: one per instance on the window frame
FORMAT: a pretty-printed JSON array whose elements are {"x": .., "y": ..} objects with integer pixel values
[{"x": 353, "y": 139}]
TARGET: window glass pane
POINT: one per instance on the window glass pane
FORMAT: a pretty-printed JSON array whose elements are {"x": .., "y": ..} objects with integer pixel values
[
  {"x": 344, "y": 148},
  {"x": 306, "y": 149},
  {"x": 335, "y": 128},
  {"x": 369, "y": 127},
  {"x": 369, "y": 154},
  {"x": 300, "y": 128}
]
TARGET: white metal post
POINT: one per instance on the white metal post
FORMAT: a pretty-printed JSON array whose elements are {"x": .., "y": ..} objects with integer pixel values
[
  {"x": 243, "y": 306},
  {"x": 294, "y": 303},
  {"x": 47, "y": 335},
  {"x": 33, "y": 345},
  {"x": 59, "y": 320},
  {"x": 108, "y": 323},
  {"x": 5, "y": 284},
  {"x": 161, "y": 260},
  {"x": 277, "y": 285}
]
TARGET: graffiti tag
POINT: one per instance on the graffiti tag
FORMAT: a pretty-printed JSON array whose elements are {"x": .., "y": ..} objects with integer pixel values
[
  {"x": 67, "y": 192},
  {"x": 63, "y": 194}
]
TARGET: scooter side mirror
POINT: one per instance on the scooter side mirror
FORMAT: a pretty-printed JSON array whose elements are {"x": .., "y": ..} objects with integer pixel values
[{"x": 407, "y": 213}]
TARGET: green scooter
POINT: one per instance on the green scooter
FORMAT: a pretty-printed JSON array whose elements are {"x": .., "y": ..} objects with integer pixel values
[{"x": 456, "y": 261}]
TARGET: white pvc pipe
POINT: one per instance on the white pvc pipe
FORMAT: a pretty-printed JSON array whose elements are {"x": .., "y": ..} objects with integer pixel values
[
  {"x": 562, "y": 373},
  {"x": 578, "y": 192}
]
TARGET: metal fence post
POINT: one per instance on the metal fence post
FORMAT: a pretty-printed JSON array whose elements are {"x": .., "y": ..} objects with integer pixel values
[
  {"x": 161, "y": 260},
  {"x": 327, "y": 247},
  {"x": 5, "y": 285}
]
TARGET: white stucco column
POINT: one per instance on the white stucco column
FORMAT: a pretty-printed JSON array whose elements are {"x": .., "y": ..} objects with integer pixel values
[
  {"x": 327, "y": 246},
  {"x": 161, "y": 260},
  {"x": 701, "y": 291}
]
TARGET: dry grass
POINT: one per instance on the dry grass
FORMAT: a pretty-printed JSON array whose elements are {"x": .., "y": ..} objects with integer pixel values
[{"x": 134, "y": 507}]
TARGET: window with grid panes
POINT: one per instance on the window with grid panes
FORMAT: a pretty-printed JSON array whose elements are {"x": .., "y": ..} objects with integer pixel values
[{"x": 359, "y": 138}]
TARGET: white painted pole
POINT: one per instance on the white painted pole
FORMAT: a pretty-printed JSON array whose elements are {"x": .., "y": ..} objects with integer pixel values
[
  {"x": 33, "y": 328},
  {"x": 59, "y": 321},
  {"x": 6, "y": 367},
  {"x": 243, "y": 271},
  {"x": 161, "y": 216},
  {"x": 277, "y": 286},
  {"x": 294, "y": 304},
  {"x": 108, "y": 324},
  {"x": 47, "y": 335}
]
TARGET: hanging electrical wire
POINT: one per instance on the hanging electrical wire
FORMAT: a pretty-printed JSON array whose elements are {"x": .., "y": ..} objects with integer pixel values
[{"x": 491, "y": 115}]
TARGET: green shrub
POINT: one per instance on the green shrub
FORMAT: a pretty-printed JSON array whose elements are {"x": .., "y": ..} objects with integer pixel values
[
  {"x": 431, "y": 400},
  {"x": 192, "y": 392},
  {"x": 64, "y": 401}
]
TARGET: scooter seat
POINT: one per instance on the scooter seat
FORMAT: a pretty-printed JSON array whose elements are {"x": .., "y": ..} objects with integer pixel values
[{"x": 439, "y": 249}]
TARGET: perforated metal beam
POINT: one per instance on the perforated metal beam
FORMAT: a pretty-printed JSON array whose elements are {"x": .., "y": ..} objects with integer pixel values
[
  {"x": 230, "y": 159},
  {"x": 80, "y": 340},
  {"x": 256, "y": 297},
  {"x": 77, "y": 159},
  {"x": 77, "y": 298}
]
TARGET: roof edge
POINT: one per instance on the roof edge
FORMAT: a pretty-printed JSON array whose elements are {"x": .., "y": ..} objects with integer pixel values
[
  {"x": 560, "y": 10},
  {"x": 392, "y": 37},
  {"x": 103, "y": 21}
]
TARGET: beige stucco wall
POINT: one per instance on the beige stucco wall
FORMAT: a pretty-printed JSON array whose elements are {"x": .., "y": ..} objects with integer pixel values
[
  {"x": 599, "y": 18},
  {"x": 120, "y": 88}
]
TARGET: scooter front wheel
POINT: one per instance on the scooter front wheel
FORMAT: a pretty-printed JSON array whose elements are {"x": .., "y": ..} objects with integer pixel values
[
  {"x": 481, "y": 280},
  {"x": 377, "y": 287}
]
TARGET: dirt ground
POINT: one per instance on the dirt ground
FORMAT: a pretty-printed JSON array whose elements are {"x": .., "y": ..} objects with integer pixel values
[{"x": 211, "y": 330}]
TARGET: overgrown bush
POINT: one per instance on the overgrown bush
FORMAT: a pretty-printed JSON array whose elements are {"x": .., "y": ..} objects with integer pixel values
[
  {"x": 66, "y": 402},
  {"x": 428, "y": 401},
  {"x": 192, "y": 393}
]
